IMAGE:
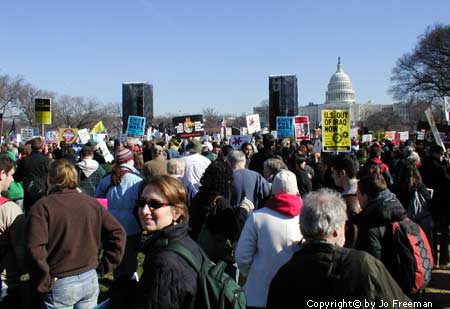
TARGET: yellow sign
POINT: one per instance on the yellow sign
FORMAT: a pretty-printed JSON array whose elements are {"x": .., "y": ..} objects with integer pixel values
[
  {"x": 67, "y": 135},
  {"x": 43, "y": 110},
  {"x": 336, "y": 130}
]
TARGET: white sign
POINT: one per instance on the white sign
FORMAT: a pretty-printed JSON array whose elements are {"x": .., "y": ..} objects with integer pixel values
[
  {"x": 98, "y": 137},
  {"x": 353, "y": 132},
  {"x": 84, "y": 136},
  {"x": 26, "y": 134},
  {"x": 367, "y": 138},
  {"x": 253, "y": 124},
  {"x": 404, "y": 136},
  {"x": 236, "y": 141},
  {"x": 105, "y": 151}
]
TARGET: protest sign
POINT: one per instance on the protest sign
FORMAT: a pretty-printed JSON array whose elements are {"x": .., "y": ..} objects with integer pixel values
[{"x": 336, "y": 130}]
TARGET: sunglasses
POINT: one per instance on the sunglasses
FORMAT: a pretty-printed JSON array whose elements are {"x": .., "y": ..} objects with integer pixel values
[{"x": 141, "y": 203}]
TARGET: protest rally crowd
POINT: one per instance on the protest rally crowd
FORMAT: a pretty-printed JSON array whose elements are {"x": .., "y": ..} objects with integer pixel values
[{"x": 292, "y": 227}]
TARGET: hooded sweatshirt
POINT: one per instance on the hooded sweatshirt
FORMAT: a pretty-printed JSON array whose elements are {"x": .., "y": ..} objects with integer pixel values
[
  {"x": 88, "y": 167},
  {"x": 286, "y": 204}
]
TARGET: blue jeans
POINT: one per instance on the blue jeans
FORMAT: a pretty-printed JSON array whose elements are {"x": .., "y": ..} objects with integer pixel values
[{"x": 77, "y": 292}]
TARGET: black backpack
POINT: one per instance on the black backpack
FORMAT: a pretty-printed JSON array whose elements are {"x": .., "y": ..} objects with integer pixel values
[
  {"x": 218, "y": 289},
  {"x": 34, "y": 188},
  {"x": 419, "y": 210}
]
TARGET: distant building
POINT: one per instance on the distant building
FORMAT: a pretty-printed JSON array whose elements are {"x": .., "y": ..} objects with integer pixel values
[
  {"x": 137, "y": 100},
  {"x": 263, "y": 112},
  {"x": 312, "y": 111},
  {"x": 283, "y": 97}
]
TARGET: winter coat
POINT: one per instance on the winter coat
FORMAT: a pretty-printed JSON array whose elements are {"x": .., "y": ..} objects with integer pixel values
[
  {"x": 381, "y": 210},
  {"x": 268, "y": 240},
  {"x": 436, "y": 175},
  {"x": 168, "y": 281},
  {"x": 250, "y": 184},
  {"x": 324, "y": 272},
  {"x": 90, "y": 173},
  {"x": 218, "y": 216},
  {"x": 121, "y": 198}
]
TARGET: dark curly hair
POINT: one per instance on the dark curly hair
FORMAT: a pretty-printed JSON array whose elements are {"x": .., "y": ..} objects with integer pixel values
[{"x": 217, "y": 178}]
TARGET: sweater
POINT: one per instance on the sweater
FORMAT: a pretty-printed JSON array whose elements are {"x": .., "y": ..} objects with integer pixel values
[{"x": 66, "y": 230}]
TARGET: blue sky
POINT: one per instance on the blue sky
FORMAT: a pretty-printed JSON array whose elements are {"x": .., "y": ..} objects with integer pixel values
[{"x": 201, "y": 54}]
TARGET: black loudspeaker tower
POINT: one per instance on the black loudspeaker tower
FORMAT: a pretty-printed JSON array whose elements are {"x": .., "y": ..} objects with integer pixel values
[
  {"x": 283, "y": 97},
  {"x": 137, "y": 100}
]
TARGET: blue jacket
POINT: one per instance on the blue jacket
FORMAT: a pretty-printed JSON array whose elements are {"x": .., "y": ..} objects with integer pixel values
[{"x": 121, "y": 198}]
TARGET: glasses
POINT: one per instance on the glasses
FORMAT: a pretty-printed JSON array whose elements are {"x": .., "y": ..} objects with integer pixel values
[{"x": 141, "y": 203}]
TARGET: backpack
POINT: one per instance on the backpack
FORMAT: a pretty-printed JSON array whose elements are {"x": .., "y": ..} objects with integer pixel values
[
  {"x": 419, "y": 210},
  {"x": 217, "y": 246},
  {"x": 218, "y": 289},
  {"x": 411, "y": 262},
  {"x": 34, "y": 188}
]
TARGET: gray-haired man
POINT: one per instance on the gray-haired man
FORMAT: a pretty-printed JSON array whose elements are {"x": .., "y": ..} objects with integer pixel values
[{"x": 324, "y": 271}]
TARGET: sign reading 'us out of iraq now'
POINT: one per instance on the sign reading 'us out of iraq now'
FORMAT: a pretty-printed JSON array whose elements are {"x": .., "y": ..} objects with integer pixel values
[{"x": 336, "y": 130}]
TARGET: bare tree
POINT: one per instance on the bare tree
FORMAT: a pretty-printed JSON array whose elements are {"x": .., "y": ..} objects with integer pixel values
[
  {"x": 424, "y": 73},
  {"x": 212, "y": 120},
  {"x": 10, "y": 87},
  {"x": 112, "y": 117},
  {"x": 25, "y": 101},
  {"x": 76, "y": 112}
]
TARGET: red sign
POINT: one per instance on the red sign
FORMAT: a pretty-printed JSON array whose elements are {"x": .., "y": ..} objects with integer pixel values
[
  {"x": 301, "y": 124},
  {"x": 69, "y": 135}
]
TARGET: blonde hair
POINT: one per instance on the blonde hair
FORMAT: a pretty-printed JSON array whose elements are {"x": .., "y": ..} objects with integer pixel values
[{"x": 62, "y": 175}]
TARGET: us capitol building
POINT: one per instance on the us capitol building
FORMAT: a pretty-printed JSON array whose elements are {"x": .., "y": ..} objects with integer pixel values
[{"x": 341, "y": 95}]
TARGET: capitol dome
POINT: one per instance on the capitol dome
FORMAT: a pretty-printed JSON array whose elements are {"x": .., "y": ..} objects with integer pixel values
[{"x": 340, "y": 88}]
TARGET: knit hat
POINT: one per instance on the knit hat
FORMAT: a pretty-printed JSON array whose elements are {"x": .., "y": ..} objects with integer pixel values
[
  {"x": 284, "y": 182},
  {"x": 123, "y": 155},
  {"x": 194, "y": 146}
]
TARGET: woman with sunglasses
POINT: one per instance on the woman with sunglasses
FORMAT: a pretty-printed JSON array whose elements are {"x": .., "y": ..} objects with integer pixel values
[{"x": 168, "y": 281}]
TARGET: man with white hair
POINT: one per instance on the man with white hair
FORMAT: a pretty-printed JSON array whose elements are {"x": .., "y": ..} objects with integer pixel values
[
  {"x": 246, "y": 183},
  {"x": 322, "y": 270}
]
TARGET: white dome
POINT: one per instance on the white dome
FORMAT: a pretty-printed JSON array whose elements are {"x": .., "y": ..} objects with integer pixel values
[{"x": 340, "y": 88}]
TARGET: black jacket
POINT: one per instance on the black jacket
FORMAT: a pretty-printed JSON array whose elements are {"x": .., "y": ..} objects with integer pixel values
[
  {"x": 324, "y": 272},
  {"x": 436, "y": 175},
  {"x": 381, "y": 210},
  {"x": 33, "y": 167},
  {"x": 257, "y": 160},
  {"x": 168, "y": 281}
]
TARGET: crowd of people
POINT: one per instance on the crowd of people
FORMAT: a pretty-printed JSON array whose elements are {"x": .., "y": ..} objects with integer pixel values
[{"x": 293, "y": 225}]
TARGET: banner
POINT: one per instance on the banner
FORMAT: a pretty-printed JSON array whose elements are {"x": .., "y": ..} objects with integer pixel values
[
  {"x": 43, "y": 110},
  {"x": 99, "y": 127},
  {"x": 435, "y": 131},
  {"x": 189, "y": 126},
  {"x": 336, "y": 130},
  {"x": 301, "y": 125},
  {"x": 285, "y": 126},
  {"x": 67, "y": 135},
  {"x": 236, "y": 141},
  {"x": 136, "y": 126},
  {"x": 253, "y": 124}
]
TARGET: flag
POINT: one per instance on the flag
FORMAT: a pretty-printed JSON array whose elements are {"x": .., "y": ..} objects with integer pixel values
[
  {"x": 13, "y": 128},
  {"x": 99, "y": 127},
  {"x": 447, "y": 109}
]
